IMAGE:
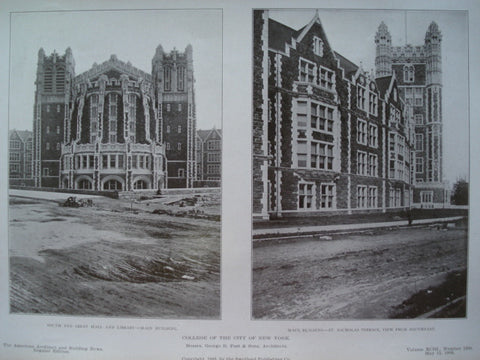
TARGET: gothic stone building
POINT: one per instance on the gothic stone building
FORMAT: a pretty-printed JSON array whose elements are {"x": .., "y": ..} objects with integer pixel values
[
  {"x": 114, "y": 126},
  {"x": 418, "y": 70},
  {"x": 209, "y": 157},
  {"x": 327, "y": 136},
  {"x": 20, "y": 156}
]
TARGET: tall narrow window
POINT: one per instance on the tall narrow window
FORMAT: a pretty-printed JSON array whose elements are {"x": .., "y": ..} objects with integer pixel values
[
  {"x": 181, "y": 78},
  {"x": 361, "y": 97},
  {"x": 372, "y": 196},
  {"x": 167, "y": 78},
  {"x": 93, "y": 117},
  {"x": 317, "y": 46},
  {"x": 373, "y": 135},
  {"x": 361, "y": 196},
  {"x": 419, "y": 142},
  {"x": 362, "y": 132},
  {"x": 327, "y": 196},
  {"x": 132, "y": 115},
  {"x": 305, "y": 196},
  {"x": 112, "y": 118},
  {"x": 409, "y": 73}
]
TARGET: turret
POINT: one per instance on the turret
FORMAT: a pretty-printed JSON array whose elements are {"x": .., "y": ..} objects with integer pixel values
[
  {"x": 433, "y": 38},
  {"x": 383, "y": 58}
]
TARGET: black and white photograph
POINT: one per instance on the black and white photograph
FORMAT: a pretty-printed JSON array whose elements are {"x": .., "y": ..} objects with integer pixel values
[
  {"x": 115, "y": 148},
  {"x": 360, "y": 168}
]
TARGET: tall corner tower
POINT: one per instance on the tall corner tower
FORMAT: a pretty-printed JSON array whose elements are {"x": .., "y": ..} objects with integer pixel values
[
  {"x": 434, "y": 121},
  {"x": 54, "y": 80},
  {"x": 174, "y": 91},
  {"x": 418, "y": 69},
  {"x": 383, "y": 56}
]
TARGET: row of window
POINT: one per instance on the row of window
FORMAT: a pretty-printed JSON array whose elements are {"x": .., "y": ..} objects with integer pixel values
[
  {"x": 367, "y": 197},
  {"x": 58, "y": 107},
  {"x": 320, "y": 155},
  {"x": 47, "y": 129},
  {"x": 168, "y": 146},
  {"x": 168, "y": 107},
  {"x": 312, "y": 73},
  {"x": 214, "y": 157},
  {"x": 54, "y": 78},
  {"x": 307, "y": 196},
  {"x": 167, "y": 78},
  {"x": 14, "y": 156},
  {"x": 214, "y": 145},
  {"x": 367, "y": 134},
  {"x": 179, "y": 129},
  {"x": 49, "y": 146},
  {"x": 367, "y": 164},
  {"x": 321, "y": 116},
  {"x": 367, "y": 100},
  {"x": 213, "y": 169},
  {"x": 109, "y": 161}
]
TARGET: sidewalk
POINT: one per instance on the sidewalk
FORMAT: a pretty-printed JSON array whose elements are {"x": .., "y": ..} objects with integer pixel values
[
  {"x": 46, "y": 195},
  {"x": 295, "y": 230}
]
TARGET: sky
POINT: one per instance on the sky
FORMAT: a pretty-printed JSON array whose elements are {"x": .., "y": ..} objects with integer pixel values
[
  {"x": 131, "y": 35},
  {"x": 352, "y": 33}
]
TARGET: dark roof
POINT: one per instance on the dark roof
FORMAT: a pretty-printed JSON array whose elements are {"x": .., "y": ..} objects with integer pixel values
[
  {"x": 204, "y": 134},
  {"x": 24, "y": 135},
  {"x": 348, "y": 66},
  {"x": 279, "y": 34},
  {"x": 383, "y": 83}
]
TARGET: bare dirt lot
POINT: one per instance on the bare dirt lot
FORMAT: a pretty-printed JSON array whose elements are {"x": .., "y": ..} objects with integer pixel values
[
  {"x": 358, "y": 276},
  {"x": 117, "y": 258}
]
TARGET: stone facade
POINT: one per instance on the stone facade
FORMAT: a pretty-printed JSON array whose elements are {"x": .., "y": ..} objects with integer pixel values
[
  {"x": 209, "y": 157},
  {"x": 20, "y": 151},
  {"x": 328, "y": 137},
  {"x": 115, "y": 127}
]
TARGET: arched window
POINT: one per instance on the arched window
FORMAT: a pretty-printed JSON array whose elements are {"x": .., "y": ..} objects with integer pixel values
[
  {"x": 140, "y": 184},
  {"x": 112, "y": 185},
  {"x": 408, "y": 73},
  {"x": 84, "y": 184}
]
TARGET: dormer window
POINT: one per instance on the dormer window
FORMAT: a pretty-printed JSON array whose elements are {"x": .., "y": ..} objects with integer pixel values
[
  {"x": 317, "y": 46},
  {"x": 408, "y": 73}
]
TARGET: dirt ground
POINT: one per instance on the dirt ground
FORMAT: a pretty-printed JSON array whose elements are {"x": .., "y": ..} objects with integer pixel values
[
  {"x": 362, "y": 276},
  {"x": 117, "y": 258}
]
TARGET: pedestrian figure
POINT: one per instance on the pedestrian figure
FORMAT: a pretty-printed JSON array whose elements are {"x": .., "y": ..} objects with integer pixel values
[{"x": 409, "y": 212}]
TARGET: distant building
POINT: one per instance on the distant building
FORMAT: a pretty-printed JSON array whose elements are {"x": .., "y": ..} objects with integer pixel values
[
  {"x": 328, "y": 137},
  {"x": 418, "y": 70},
  {"x": 209, "y": 157},
  {"x": 115, "y": 126},
  {"x": 20, "y": 157}
]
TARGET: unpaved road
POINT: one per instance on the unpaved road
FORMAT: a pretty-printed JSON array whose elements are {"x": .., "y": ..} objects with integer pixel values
[
  {"x": 109, "y": 261},
  {"x": 359, "y": 276}
]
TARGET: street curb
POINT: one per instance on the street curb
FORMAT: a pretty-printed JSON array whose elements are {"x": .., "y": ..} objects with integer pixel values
[{"x": 308, "y": 231}]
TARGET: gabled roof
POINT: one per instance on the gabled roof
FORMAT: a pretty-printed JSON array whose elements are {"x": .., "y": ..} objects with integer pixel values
[
  {"x": 205, "y": 134},
  {"x": 383, "y": 84},
  {"x": 113, "y": 64},
  {"x": 279, "y": 34},
  {"x": 348, "y": 66},
  {"x": 24, "y": 135}
]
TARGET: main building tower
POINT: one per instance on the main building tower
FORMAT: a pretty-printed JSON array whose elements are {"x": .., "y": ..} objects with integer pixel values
[{"x": 419, "y": 73}]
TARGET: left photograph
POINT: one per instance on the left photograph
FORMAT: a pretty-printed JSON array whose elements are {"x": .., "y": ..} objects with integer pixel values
[{"x": 115, "y": 152}]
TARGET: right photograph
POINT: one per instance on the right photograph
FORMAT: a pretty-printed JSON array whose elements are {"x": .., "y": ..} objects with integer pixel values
[{"x": 360, "y": 164}]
